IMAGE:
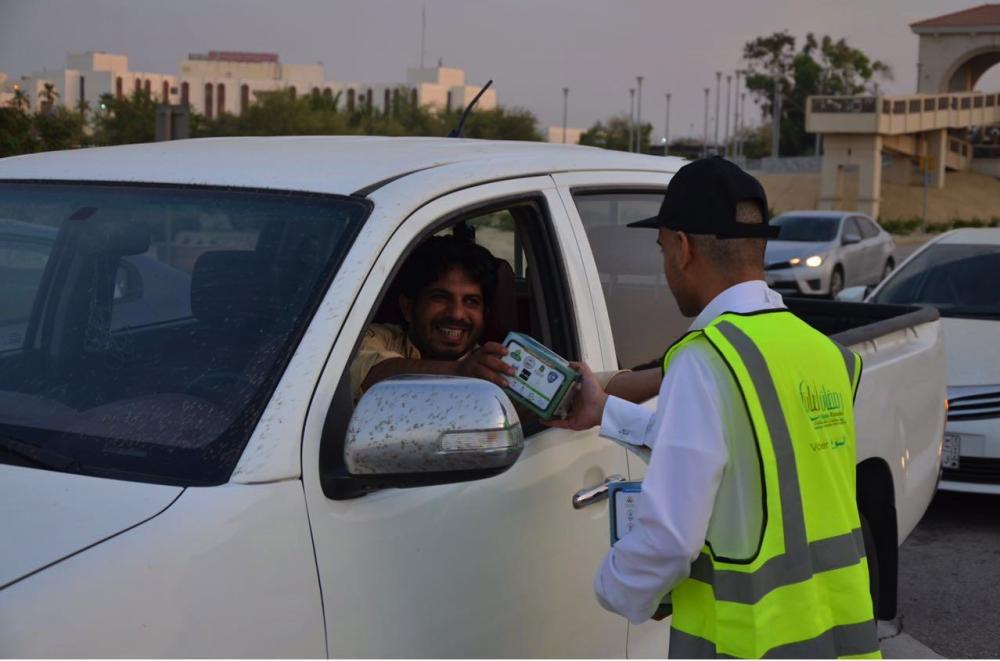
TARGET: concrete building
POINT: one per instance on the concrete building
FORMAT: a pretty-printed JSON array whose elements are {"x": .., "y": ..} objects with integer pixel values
[
  {"x": 90, "y": 75},
  {"x": 6, "y": 90},
  {"x": 443, "y": 87},
  {"x": 957, "y": 49},
  {"x": 229, "y": 81},
  {"x": 925, "y": 134},
  {"x": 555, "y": 134}
]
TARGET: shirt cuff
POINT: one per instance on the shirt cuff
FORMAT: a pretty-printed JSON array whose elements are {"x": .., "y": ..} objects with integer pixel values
[{"x": 624, "y": 421}]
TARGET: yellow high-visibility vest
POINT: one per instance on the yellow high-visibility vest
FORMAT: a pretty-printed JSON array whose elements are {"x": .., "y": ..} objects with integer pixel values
[{"x": 804, "y": 592}]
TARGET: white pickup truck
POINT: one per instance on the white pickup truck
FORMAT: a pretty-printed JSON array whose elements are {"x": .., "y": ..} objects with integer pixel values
[{"x": 182, "y": 472}]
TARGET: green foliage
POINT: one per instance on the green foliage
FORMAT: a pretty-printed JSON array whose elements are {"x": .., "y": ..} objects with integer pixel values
[
  {"x": 278, "y": 113},
  {"x": 822, "y": 66},
  {"x": 902, "y": 226},
  {"x": 16, "y": 132},
  {"x": 132, "y": 119},
  {"x": 906, "y": 226},
  {"x": 126, "y": 120},
  {"x": 60, "y": 129},
  {"x": 615, "y": 134}
]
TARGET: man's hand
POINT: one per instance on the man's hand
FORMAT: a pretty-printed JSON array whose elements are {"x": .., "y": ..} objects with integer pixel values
[
  {"x": 485, "y": 363},
  {"x": 588, "y": 404}
]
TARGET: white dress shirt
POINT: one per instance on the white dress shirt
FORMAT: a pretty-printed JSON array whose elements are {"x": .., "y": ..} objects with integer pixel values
[{"x": 699, "y": 431}]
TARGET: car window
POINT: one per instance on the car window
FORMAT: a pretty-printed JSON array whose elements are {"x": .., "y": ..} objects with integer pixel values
[
  {"x": 958, "y": 279},
  {"x": 143, "y": 328},
  {"x": 868, "y": 229},
  {"x": 851, "y": 227},
  {"x": 644, "y": 317},
  {"x": 806, "y": 228},
  {"x": 530, "y": 296}
]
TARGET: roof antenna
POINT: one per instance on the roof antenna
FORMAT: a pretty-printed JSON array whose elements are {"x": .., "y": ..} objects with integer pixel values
[{"x": 457, "y": 131}]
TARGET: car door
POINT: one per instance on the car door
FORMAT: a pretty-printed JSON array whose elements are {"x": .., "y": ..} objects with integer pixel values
[
  {"x": 501, "y": 567},
  {"x": 852, "y": 255},
  {"x": 637, "y": 314},
  {"x": 874, "y": 249}
]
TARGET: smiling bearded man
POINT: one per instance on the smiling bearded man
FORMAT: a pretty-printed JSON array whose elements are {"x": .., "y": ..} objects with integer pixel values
[{"x": 446, "y": 287}]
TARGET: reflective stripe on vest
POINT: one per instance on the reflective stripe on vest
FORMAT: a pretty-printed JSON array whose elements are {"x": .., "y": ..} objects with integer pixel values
[{"x": 765, "y": 606}]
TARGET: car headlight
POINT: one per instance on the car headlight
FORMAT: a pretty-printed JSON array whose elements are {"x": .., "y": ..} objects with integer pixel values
[
  {"x": 814, "y": 261},
  {"x": 795, "y": 261}
]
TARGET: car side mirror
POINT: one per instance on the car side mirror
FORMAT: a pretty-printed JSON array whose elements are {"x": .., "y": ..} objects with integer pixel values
[
  {"x": 417, "y": 430},
  {"x": 853, "y": 294},
  {"x": 850, "y": 239}
]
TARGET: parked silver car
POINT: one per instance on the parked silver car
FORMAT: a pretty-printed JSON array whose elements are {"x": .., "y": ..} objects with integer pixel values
[{"x": 818, "y": 253}]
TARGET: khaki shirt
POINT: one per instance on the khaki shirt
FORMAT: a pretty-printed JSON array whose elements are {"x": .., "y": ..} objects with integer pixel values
[
  {"x": 381, "y": 342},
  {"x": 386, "y": 341}
]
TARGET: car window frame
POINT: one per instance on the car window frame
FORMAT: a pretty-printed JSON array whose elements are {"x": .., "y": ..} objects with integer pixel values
[{"x": 335, "y": 481}]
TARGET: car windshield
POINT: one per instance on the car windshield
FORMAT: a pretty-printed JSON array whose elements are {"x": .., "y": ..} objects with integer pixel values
[
  {"x": 959, "y": 279},
  {"x": 143, "y": 328},
  {"x": 806, "y": 228}
]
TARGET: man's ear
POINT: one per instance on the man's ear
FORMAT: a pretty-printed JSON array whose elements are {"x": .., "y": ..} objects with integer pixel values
[
  {"x": 406, "y": 307},
  {"x": 685, "y": 250}
]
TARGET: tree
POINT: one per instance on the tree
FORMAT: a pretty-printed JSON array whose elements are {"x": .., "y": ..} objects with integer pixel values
[
  {"x": 17, "y": 135},
  {"x": 48, "y": 98},
  {"x": 821, "y": 67},
  {"x": 59, "y": 128},
  {"x": 21, "y": 100},
  {"x": 126, "y": 120},
  {"x": 615, "y": 134}
]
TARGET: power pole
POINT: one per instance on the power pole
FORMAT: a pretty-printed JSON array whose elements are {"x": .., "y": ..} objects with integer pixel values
[
  {"x": 776, "y": 111},
  {"x": 736, "y": 117},
  {"x": 638, "y": 118},
  {"x": 718, "y": 83},
  {"x": 729, "y": 95},
  {"x": 666, "y": 129},
  {"x": 704, "y": 142},
  {"x": 743, "y": 116},
  {"x": 423, "y": 33},
  {"x": 631, "y": 118},
  {"x": 565, "y": 104}
]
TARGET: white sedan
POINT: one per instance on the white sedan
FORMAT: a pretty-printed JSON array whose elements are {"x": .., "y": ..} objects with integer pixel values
[
  {"x": 818, "y": 253},
  {"x": 958, "y": 272}
]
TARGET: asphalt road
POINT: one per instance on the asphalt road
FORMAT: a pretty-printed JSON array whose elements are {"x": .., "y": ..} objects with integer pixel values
[{"x": 949, "y": 577}]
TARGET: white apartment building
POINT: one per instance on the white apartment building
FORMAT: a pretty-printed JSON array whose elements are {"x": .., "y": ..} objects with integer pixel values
[
  {"x": 90, "y": 75},
  {"x": 228, "y": 81}
]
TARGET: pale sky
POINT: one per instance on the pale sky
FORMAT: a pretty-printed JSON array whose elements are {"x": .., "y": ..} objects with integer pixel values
[{"x": 531, "y": 48}]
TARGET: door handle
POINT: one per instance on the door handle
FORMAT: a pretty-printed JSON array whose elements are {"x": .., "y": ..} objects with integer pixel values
[{"x": 594, "y": 494}]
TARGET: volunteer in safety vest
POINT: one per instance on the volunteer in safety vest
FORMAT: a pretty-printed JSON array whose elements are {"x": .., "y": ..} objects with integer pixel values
[{"x": 748, "y": 518}]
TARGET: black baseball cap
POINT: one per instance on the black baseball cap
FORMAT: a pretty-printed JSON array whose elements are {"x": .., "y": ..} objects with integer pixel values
[{"x": 701, "y": 199}]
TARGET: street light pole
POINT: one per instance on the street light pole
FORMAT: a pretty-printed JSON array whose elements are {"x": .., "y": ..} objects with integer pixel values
[
  {"x": 565, "y": 104},
  {"x": 638, "y": 118},
  {"x": 743, "y": 117},
  {"x": 736, "y": 117},
  {"x": 631, "y": 118},
  {"x": 718, "y": 83},
  {"x": 729, "y": 98},
  {"x": 704, "y": 142},
  {"x": 776, "y": 111},
  {"x": 666, "y": 129}
]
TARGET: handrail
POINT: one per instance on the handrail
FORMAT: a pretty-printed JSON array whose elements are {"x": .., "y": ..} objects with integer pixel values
[{"x": 902, "y": 105}]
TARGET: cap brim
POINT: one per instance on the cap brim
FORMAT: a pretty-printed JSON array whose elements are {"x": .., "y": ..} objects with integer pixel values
[{"x": 651, "y": 223}]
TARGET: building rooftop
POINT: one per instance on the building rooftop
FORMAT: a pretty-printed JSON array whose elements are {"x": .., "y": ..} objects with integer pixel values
[
  {"x": 981, "y": 16},
  {"x": 234, "y": 56}
]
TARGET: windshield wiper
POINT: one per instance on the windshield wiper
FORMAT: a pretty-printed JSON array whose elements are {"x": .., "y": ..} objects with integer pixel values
[{"x": 40, "y": 456}]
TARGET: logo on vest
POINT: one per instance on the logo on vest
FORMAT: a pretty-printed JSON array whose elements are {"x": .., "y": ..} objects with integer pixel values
[{"x": 824, "y": 407}]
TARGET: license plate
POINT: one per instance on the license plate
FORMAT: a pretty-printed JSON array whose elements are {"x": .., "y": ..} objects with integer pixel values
[{"x": 951, "y": 450}]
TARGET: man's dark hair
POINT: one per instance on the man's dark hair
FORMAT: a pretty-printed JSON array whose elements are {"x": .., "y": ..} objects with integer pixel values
[{"x": 439, "y": 254}]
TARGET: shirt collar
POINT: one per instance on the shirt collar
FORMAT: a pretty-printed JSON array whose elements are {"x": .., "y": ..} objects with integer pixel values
[{"x": 749, "y": 296}]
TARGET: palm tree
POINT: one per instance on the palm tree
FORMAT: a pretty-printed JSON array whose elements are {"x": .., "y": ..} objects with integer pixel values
[
  {"x": 48, "y": 98},
  {"x": 21, "y": 100}
]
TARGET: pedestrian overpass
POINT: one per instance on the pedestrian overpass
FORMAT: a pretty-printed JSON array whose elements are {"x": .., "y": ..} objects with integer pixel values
[
  {"x": 857, "y": 130},
  {"x": 930, "y": 129}
]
